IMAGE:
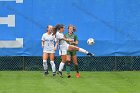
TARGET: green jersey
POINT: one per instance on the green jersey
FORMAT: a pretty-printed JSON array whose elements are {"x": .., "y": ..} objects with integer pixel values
[{"x": 72, "y": 36}]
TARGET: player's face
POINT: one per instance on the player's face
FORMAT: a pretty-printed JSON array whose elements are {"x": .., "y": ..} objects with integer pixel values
[
  {"x": 70, "y": 30},
  {"x": 62, "y": 29},
  {"x": 50, "y": 28}
]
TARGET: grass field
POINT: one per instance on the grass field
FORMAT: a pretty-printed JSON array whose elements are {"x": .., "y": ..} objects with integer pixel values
[{"x": 90, "y": 82}]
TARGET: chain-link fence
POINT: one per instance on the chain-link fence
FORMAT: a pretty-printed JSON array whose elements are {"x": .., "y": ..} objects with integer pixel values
[{"x": 109, "y": 63}]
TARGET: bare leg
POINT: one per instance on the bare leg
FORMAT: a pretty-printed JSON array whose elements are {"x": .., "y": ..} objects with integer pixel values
[
  {"x": 74, "y": 58},
  {"x": 72, "y": 47}
]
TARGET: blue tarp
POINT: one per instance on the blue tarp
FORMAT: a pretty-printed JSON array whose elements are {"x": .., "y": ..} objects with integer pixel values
[{"x": 114, "y": 24}]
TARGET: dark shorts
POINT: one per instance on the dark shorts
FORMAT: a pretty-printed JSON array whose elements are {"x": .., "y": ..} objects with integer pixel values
[{"x": 71, "y": 53}]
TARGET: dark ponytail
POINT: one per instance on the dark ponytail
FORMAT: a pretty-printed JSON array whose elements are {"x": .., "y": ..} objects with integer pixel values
[
  {"x": 54, "y": 30},
  {"x": 57, "y": 27},
  {"x": 74, "y": 28}
]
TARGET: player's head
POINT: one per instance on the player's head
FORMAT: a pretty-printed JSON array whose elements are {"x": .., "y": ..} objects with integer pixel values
[
  {"x": 71, "y": 29},
  {"x": 49, "y": 28},
  {"x": 61, "y": 28},
  {"x": 58, "y": 27}
]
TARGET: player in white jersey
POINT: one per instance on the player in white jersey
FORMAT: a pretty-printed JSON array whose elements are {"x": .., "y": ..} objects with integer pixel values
[
  {"x": 64, "y": 46},
  {"x": 49, "y": 49}
]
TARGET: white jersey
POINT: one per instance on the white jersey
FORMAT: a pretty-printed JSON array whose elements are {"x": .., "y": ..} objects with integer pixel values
[
  {"x": 59, "y": 37},
  {"x": 48, "y": 43},
  {"x": 63, "y": 45}
]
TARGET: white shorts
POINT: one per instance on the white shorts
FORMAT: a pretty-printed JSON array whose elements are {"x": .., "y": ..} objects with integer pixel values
[
  {"x": 52, "y": 51},
  {"x": 62, "y": 52},
  {"x": 63, "y": 49}
]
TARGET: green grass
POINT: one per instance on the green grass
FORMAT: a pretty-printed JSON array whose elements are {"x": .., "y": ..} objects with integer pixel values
[{"x": 90, "y": 82}]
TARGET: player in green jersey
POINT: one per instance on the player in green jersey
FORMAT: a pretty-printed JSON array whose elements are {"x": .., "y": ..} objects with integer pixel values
[{"x": 72, "y": 54}]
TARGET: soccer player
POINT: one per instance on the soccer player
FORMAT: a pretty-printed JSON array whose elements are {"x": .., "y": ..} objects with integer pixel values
[
  {"x": 49, "y": 49},
  {"x": 64, "y": 46},
  {"x": 71, "y": 54}
]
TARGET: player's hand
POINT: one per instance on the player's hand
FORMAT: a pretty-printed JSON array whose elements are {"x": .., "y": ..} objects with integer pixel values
[{"x": 71, "y": 40}]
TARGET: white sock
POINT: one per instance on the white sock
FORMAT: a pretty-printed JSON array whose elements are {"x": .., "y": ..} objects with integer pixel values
[
  {"x": 45, "y": 65},
  {"x": 61, "y": 66},
  {"x": 53, "y": 66},
  {"x": 83, "y": 50}
]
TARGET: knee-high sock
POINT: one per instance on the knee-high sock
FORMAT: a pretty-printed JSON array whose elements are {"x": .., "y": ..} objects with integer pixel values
[
  {"x": 53, "y": 66},
  {"x": 61, "y": 66},
  {"x": 45, "y": 65},
  {"x": 83, "y": 51},
  {"x": 68, "y": 67}
]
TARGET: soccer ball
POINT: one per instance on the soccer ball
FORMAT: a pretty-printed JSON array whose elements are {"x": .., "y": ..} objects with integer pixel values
[{"x": 90, "y": 41}]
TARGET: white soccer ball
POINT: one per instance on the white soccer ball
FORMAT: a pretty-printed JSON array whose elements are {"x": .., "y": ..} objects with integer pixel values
[{"x": 90, "y": 41}]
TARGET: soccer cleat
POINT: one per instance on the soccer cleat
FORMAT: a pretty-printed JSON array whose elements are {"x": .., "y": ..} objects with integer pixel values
[
  {"x": 78, "y": 75},
  {"x": 60, "y": 74},
  {"x": 68, "y": 76},
  {"x": 46, "y": 73},
  {"x": 90, "y": 54},
  {"x": 54, "y": 73}
]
